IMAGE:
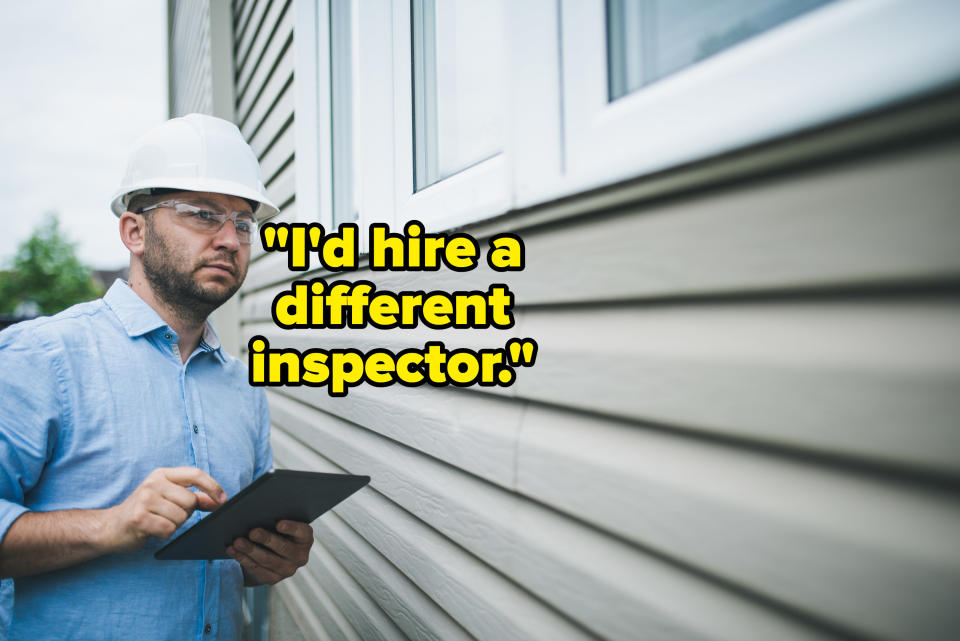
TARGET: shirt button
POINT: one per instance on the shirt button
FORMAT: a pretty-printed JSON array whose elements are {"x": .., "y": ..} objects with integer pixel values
[
  {"x": 196, "y": 430},
  {"x": 207, "y": 629}
]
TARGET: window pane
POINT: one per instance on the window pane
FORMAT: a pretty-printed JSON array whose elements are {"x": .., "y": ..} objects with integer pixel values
[
  {"x": 650, "y": 39},
  {"x": 457, "y": 85}
]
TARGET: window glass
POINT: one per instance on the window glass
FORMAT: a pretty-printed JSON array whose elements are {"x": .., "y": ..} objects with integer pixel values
[
  {"x": 650, "y": 39},
  {"x": 458, "y": 96}
]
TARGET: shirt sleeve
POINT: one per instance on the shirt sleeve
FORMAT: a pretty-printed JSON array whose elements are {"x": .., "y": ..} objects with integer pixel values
[
  {"x": 29, "y": 419},
  {"x": 264, "y": 450}
]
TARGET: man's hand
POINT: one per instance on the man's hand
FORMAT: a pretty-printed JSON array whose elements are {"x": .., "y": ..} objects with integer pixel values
[
  {"x": 159, "y": 505},
  {"x": 43, "y": 541},
  {"x": 267, "y": 557}
]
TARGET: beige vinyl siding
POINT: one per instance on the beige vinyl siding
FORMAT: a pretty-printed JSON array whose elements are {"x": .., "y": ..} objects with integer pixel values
[
  {"x": 189, "y": 37},
  {"x": 284, "y": 627},
  {"x": 263, "y": 53},
  {"x": 741, "y": 424}
]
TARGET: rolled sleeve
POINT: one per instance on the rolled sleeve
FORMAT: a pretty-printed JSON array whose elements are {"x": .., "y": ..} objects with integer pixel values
[
  {"x": 9, "y": 512},
  {"x": 29, "y": 420}
]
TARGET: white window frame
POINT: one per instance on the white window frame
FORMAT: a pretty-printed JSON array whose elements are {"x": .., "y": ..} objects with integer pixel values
[
  {"x": 803, "y": 64},
  {"x": 535, "y": 113},
  {"x": 373, "y": 114},
  {"x": 564, "y": 136},
  {"x": 341, "y": 61},
  {"x": 475, "y": 193},
  {"x": 325, "y": 65},
  {"x": 311, "y": 134},
  {"x": 525, "y": 172}
]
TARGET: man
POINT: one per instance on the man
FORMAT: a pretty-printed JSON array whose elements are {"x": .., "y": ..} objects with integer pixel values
[{"x": 113, "y": 409}]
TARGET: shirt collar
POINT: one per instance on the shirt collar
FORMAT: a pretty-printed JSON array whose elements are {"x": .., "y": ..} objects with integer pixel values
[
  {"x": 138, "y": 318},
  {"x": 210, "y": 342},
  {"x": 134, "y": 314}
]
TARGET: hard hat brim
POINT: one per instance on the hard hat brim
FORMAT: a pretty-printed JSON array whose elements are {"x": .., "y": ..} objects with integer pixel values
[{"x": 265, "y": 211}]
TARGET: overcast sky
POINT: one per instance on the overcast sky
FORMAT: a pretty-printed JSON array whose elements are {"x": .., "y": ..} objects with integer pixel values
[{"x": 81, "y": 80}]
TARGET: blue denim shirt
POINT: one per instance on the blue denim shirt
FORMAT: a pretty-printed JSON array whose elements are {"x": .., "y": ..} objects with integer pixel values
[{"x": 91, "y": 401}]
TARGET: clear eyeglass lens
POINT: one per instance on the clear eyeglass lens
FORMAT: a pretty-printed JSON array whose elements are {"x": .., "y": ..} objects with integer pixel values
[{"x": 209, "y": 220}]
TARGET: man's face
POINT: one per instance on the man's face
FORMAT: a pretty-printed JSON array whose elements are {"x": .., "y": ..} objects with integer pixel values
[{"x": 192, "y": 271}]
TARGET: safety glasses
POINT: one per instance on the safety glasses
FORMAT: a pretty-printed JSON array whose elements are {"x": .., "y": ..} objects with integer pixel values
[{"x": 207, "y": 219}]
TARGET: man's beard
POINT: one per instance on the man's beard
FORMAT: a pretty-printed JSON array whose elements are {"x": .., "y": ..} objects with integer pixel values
[{"x": 175, "y": 285}]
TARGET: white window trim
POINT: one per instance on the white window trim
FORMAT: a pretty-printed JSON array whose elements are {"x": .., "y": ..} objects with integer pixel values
[
  {"x": 475, "y": 193},
  {"x": 373, "y": 115},
  {"x": 804, "y": 65},
  {"x": 535, "y": 111},
  {"x": 341, "y": 65},
  {"x": 565, "y": 137},
  {"x": 311, "y": 134}
]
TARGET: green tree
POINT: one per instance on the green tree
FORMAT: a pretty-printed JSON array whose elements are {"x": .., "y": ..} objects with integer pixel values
[{"x": 46, "y": 270}]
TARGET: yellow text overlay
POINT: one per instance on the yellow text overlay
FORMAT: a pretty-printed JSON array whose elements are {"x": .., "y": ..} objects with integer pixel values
[
  {"x": 340, "y": 369},
  {"x": 319, "y": 305}
]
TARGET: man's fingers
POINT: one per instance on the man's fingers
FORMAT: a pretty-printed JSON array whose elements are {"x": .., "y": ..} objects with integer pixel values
[
  {"x": 158, "y": 526},
  {"x": 206, "y": 503},
  {"x": 188, "y": 499},
  {"x": 260, "y": 573},
  {"x": 281, "y": 566},
  {"x": 293, "y": 548},
  {"x": 169, "y": 511},
  {"x": 187, "y": 476},
  {"x": 301, "y": 533},
  {"x": 281, "y": 545},
  {"x": 182, "y": 496}
]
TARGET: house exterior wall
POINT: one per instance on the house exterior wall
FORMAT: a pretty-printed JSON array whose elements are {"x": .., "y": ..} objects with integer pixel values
[
  {"x": 189, "y": 68},
  {"x": 743, "y": 419}
]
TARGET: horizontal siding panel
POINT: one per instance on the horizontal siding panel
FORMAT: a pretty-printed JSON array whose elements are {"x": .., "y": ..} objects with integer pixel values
[
  {"x": 313, "y": 610},
  {"x": 855, "y": 225},
  {"x": 327, "y": 603},
  {"x": 686, "y": 460},
  {"x": 847, "y": 544},
  {"x": 859, "y": 224},
  {"x": 366, "y": 620},
  {"x": 242, "y": 12},
  {"x": 481, "y": 599},
  {"x": 850, "y": 548},
  {"x": 237, "y": 7},
  {"x": 410, "y": 609},
  {"x": 281, "y": 189},
  {"x": 362, "y": 619},
  {"x": 870, "y": 380},
  {"x": 628, "y": 589},
  {"x": 252, "y": 78},
  {"x": 255, "y": 104},
  {"x": 245, "y": 54},
  {"x": 273, "y": 270},
  {"x": 874, "y": 381},
  {"x": 475, "y": 433},
  {"x": 279, "y": 117},
  {"x": 279, "y": 154}
]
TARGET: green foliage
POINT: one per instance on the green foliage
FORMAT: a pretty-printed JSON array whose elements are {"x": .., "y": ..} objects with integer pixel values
[{"x": 46, "y": 271}]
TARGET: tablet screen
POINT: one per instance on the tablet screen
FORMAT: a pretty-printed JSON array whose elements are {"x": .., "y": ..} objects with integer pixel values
[{"x": 281, "y": 494}]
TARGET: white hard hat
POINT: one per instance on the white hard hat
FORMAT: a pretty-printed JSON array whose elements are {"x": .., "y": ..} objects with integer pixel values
[{"x": 194, "y": 153}]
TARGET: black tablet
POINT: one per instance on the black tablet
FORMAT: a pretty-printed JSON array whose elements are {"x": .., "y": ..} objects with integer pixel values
[{"x": 275, "y": 496}]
